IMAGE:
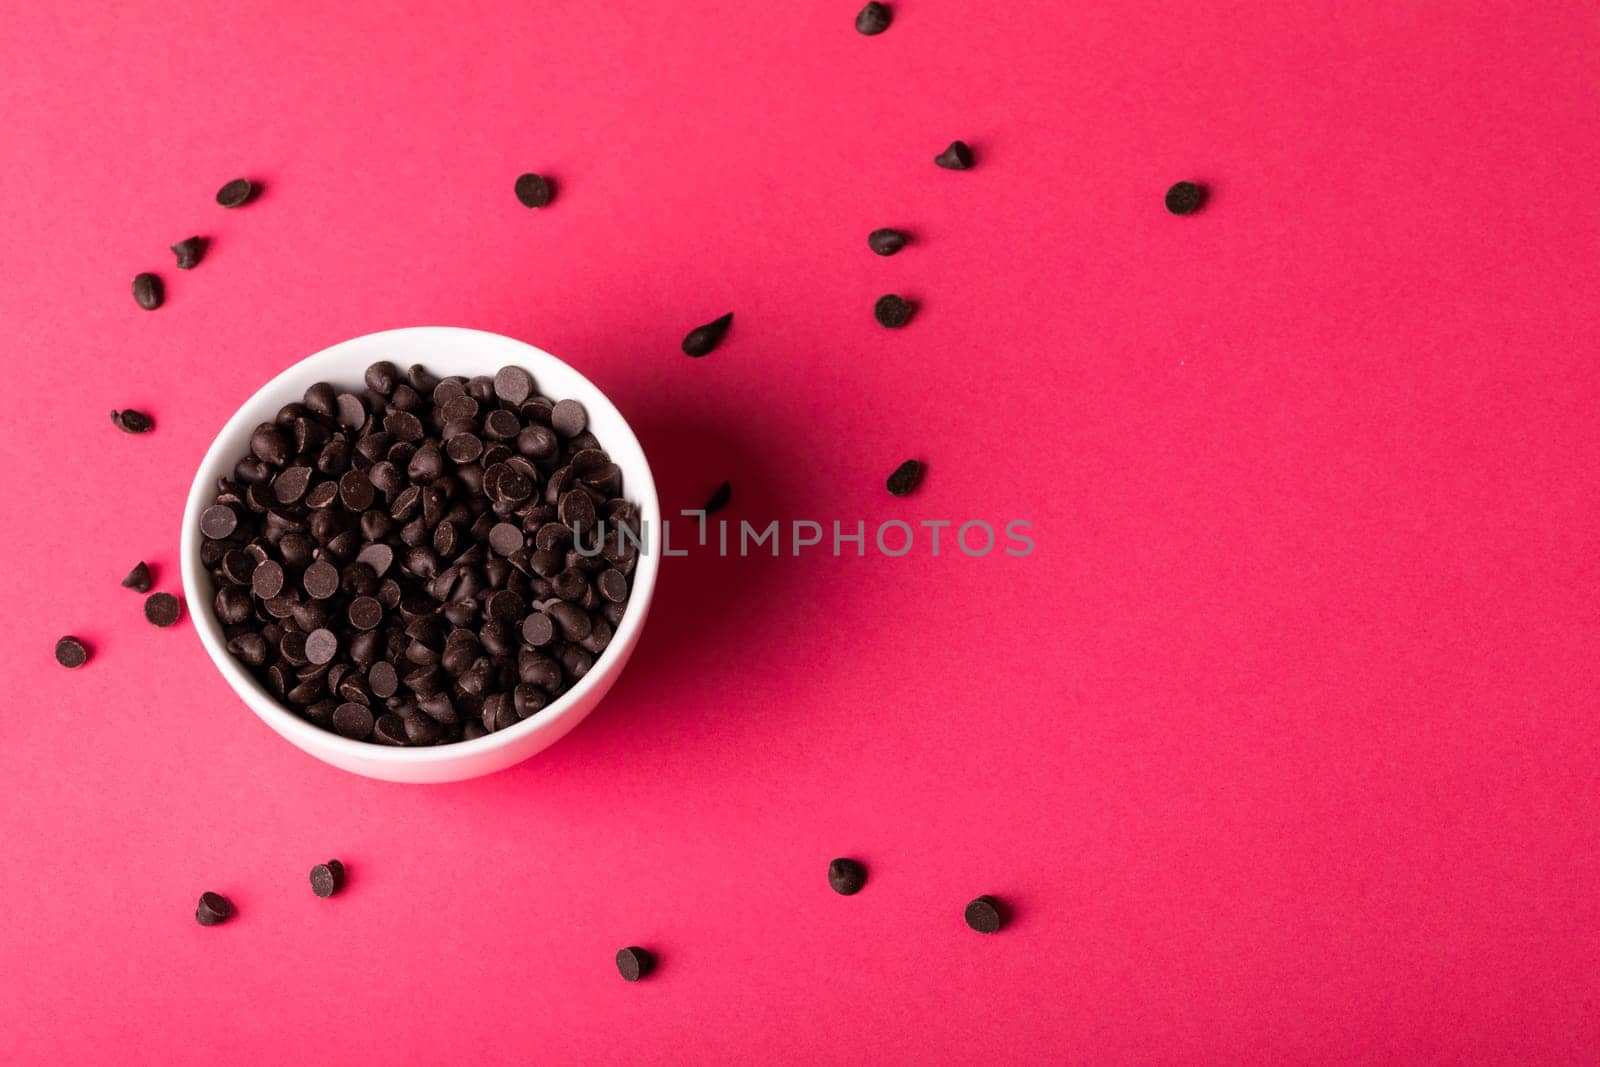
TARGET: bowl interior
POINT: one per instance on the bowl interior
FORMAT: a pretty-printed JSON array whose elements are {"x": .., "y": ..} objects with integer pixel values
[{"x": 443, "y": 350}]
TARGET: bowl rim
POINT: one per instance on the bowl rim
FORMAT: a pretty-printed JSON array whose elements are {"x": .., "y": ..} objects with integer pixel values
[{"x": 314, "y": 739}]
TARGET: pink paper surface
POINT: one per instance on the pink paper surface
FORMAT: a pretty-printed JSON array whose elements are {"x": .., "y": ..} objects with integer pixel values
[{"x": 1282, "y": 744}]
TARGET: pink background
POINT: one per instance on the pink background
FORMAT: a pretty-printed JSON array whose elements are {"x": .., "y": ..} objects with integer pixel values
[{"x": 1283, "y": 743}]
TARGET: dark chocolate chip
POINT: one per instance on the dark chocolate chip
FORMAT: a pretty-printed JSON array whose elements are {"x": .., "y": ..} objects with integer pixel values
[
  {"x": 957, "y": 157},
  {"x": 846, "y": 876},
  {"x": 906, "y": 477},
  {"x": 353, "y": 720},
  {"x": 219, "y": 521},
  {"x": 189, "y": 250},
  {"x": 365, "y": 613},
  {"x": 130, "y": 421},
  {"x": 893, "y": 311},
  {"x": 1185, "y": 198},
  {"x": 327, "y": 878},
  {"x": 138, "y": 579},
  {"x": 513, "y": 384},
  {"x": 702, "y": 340},
  {"x": 161, "y": 609},
  {"x": 568, "y": 418},
  {"x": 505, "y": 538},
  {"x": 71, "y": 652},
  {"x": 383, "y": 680},
  {"x": 321, "y": 646},
  {"x": 886, "y": 242},
  {"x": 236, "y": 193},
  {"x": 719, "y": 499},
  {"x": 633, "y": 963},
  {"x": 873, "y": 19},
  {"x": 213, "y": 908},
  {"x": 533, "y": 190},
  {"x": 321, "y": 580},
  {"x": 612, "y": 584},
  {"x": 147, "y": 291},
  {"x": 267, "y": 580},
  {"x": 985, "y": 914}
]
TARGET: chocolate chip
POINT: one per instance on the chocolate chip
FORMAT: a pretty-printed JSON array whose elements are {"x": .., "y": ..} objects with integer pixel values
[
  {"x": 213, "y": 908},
  {"x": 633, "y": 963},
  {"x": 292, "y": 484},
  {"x": 538, "y": 629},
  {"x": 147, "y": 291},
  {"x": 893, "y": 311},
  {"x": 985, "y": 914},
  {"x": 71, "y": 653},
  {"x": 873, "y": 19},
  {"x": 957, "y": 157},
  {"x": 353, "y": 720},
  {"x": 321, "y": 646},
  {"x": 612, "y": 584},
  {"x": 267, "y": 580},
  {"x": 886, "y": 242},
  {"x": 702, "y": 339},
  {"x": 161, "y": 609},
  {"x": 236, "y": 193},
  {"x": 321, "y": 580},
  {"x": 327, "y": 878},
  {"x": 846, "y": 876},
  {"x": 130, "y": 421},
  {"x": 219, "y": 521},
  {"x": 568, "y": 418},
  {"x": 138, "y": 579},
  {"x": 533, "y": 190},
  {"x": 906, "y": 477},
  {"x": 365, "y": 613},
  {"x": 189, "y": 250},
  {"x": 390, "y": 729},
  {"x": 383, "y": 679},
  {"x": 719, "y": 499},
  {"x": 1185, "y": 198},
  {"x": 378, "y": 556}
]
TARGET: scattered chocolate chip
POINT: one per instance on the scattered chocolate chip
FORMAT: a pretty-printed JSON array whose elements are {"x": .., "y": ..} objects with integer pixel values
[
  {"x": 327, "y": 878},
  {"x": 71, "y": 653},
  {"x": 719, "y": 499},
  {"x": 213, "y": 908},
  {"x": 887, "y": 242},
  {"x": 138, "y": 579},
  {"x": 873, "y": 19},
  {"x": 189, "y": 250},
  {"x": 846, "y": 876},
  {"x": 1185, "y": 198},
  {"x": 893, "y": 311},
  {"x": 633, "y": 963},
  {"x": 906, "y": 477},
  {"x": 130, "y": 421},
  {"x": 147, "y": 291},
  {"x": 236, "y": 193},
  {"x": 533, "y": 190},
  {"x": 957, "y": 157},
  {"x": 984, "y": 914},
  {"x": 161, "y": 609},
  {"x": 702, "y": 339}
]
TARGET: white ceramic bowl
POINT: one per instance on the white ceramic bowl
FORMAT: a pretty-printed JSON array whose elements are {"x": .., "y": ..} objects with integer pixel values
[{"x": 443, "y": 350}]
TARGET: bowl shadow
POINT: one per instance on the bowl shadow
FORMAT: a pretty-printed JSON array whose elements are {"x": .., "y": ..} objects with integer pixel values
[{"x": 692, "y": 625}]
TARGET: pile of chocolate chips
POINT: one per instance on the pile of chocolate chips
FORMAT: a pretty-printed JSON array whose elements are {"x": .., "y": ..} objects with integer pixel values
[{"x": 424, "y": 560}]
